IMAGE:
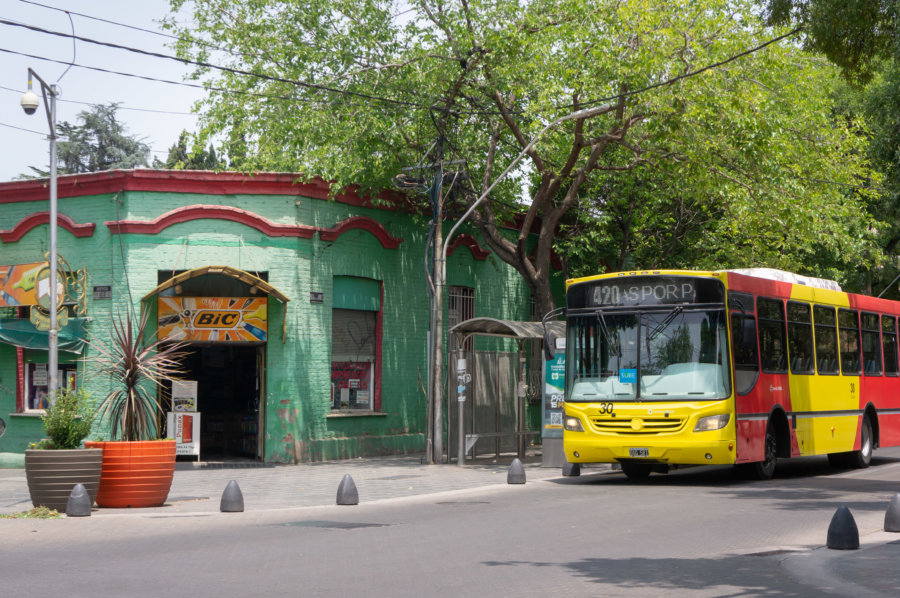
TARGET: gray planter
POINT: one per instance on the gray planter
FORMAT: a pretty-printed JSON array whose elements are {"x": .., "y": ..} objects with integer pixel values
[{"x": 52, "y": 474}]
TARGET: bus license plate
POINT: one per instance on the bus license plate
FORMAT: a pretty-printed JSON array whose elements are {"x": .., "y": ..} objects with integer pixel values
[{"x": 638, "y": 452}]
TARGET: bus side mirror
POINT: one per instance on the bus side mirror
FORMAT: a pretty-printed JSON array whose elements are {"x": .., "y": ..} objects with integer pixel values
[{"x": 549, "y": 345}]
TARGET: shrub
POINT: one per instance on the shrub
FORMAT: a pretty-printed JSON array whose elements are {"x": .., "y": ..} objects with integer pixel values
[{"x": 68, "y": 421}]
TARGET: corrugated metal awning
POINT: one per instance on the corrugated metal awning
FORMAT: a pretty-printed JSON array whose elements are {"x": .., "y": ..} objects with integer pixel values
[{"x": 508, "y": 328}]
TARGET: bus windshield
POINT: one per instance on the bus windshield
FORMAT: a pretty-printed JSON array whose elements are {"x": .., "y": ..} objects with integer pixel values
[{"x": 658, "y": 355}]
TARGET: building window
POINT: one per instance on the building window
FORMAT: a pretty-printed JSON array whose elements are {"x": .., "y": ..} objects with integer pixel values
[
  {"x": 37, "y": 383},
  {"x": 461, "y": 307},
  {"x": 355, "y": 344}
]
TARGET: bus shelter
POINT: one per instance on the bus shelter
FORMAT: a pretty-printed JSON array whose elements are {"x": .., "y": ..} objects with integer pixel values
[{"x": 493, "y": 387}]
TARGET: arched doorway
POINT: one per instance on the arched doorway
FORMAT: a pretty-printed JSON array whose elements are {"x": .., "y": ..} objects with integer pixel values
[{"x": 221, "y": 313}]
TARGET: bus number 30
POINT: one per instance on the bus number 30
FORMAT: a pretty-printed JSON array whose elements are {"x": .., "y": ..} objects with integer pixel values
[{"x": 606, "y": 408}]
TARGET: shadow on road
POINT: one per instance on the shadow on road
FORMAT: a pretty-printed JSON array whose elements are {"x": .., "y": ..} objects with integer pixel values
[{"x": 799, "y": 484}]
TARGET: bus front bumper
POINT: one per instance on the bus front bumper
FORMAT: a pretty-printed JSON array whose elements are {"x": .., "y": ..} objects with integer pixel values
[{"x": 591, "y": 449}]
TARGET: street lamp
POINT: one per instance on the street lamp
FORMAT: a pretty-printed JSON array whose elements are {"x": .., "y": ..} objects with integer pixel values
[
  {"x": 441, "y": 270},
  {"x": 29, "y": 103}
]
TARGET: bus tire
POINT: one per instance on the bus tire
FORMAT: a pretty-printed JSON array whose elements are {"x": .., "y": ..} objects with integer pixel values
[
  {"x": 636, "y": 471},
  {"x": 765, "y": 469},
  {"x": 860, "y": 459},
  {"x": 838, "y": 460}
]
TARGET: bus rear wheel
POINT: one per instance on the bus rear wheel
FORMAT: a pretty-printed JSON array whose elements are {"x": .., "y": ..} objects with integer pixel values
[
  {"x": 860, "y": 459},
  {"x": 636, "y": 471}
]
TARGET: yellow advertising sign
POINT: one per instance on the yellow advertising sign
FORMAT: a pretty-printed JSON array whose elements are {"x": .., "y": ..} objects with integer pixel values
[
  {"x": 213, "y": 319},
  {"x": 18, "y": 284}
]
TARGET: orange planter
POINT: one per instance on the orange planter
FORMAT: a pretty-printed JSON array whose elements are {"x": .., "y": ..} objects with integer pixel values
[{"x": 135, "y": 474}]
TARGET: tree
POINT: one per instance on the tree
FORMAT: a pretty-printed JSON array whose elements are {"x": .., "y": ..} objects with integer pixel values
[
  {"x": 854, "y": 34},
  {"x": 353, "y": 92},
  {"x": 98, "y": 142},
  {"x": 180, "y": 158}
]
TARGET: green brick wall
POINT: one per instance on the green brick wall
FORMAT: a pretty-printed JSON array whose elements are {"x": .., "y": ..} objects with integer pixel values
[{"x": 299, "y": 425}]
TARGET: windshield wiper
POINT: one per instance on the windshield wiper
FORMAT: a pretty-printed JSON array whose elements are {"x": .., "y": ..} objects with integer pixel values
[
  {"x": 665, "y": 323},
  {"x": 604, "y": 329}
]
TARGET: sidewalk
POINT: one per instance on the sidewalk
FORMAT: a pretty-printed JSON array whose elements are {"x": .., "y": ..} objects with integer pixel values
[
  {"x": 869, "y": 572},
  {"x": 198, "y": 488}
]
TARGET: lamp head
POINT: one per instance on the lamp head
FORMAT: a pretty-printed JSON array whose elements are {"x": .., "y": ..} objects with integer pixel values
[{"x": 29, "y": 102}]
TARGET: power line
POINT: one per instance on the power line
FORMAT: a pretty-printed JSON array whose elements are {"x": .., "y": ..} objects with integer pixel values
[
  {"x": 203, "y": 64},
  {"x": 360, "y": 95},
  {"x": 696, "y": 72},
  {"x": 22, "y": 129},
  {"x": 197, "y": 42},
  {"x": 119, "y": 107}
]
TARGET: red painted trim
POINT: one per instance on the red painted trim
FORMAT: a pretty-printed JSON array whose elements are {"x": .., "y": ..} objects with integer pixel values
[
  {"x": 20, "y": 380},
  {"x": 376, "y": 400},
  {"x": 469, "y": 241},
  {"x": 364, "y": 223},
  {"x": 199, "y": 212},
  {"x": 38, "y": 218},
  {"x": 190, "y": 181}
]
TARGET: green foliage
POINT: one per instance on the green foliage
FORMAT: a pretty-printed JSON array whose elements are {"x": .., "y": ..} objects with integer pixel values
[
  {"x": 742, "y": 164},
  {"x": 68, "y": 420},
  {"x": 854, "y": 34},
  {"x": 136, "y": 366},
  {"x": 97, "y": 142},
  {"x": 197, "y": 158}
]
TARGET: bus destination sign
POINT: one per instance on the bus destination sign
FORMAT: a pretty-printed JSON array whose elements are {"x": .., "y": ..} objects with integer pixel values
[{"x": 648, "y": 291}]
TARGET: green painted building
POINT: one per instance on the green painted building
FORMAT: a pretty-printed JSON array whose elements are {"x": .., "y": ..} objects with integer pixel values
[{"x": 306, "y": 318}]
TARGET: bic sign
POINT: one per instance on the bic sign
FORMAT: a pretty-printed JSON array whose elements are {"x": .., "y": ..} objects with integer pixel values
[{"x": 209, "y": 318}]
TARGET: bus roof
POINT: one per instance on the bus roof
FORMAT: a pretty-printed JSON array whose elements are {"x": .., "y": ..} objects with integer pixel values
[{"x": 766, "y": 273}]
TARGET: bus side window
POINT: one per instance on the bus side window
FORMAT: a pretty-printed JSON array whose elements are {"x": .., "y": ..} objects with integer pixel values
[
  {"x": 848, "y": 325},
  {"x": 771, "y": 335},
  {"x": 746, "y": 359},
  {"x": 871, "y": 344},
  {"x": 889, "y": 343},
  {"x": 800, "y": 338},
  {"x": 825, "y": 327}
]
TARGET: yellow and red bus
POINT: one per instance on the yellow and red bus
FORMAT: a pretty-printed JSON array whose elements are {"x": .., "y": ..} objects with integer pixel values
[{"x": 669, "y": 368}]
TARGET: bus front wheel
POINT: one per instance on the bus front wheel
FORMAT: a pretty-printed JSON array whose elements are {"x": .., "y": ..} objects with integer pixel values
[
  {"x": 636, "y": 471},
  {"x": 765, "y": 469}
]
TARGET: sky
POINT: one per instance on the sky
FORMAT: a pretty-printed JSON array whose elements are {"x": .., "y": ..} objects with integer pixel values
[{"x": 153, "y": 112}]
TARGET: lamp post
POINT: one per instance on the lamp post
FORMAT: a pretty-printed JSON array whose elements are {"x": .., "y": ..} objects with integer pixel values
[
  {"x": 441, "y": 268},
  {"x": 29, "y": 103}
]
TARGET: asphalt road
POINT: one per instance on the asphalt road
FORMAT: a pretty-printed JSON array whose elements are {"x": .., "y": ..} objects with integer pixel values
[{"x": 698, "y": 532}]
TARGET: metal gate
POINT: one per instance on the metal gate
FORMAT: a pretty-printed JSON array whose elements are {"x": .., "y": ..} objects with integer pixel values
[{"x": 492, "y": 408}]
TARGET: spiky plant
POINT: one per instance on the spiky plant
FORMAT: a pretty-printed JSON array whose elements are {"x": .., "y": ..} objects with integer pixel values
[{"x": 134, "y": 364}]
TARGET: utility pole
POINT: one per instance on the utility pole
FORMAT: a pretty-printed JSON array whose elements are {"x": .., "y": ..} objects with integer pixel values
[{"x": 437, "y": 312}]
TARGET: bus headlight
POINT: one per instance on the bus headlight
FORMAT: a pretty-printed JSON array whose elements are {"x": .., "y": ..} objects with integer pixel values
[
  {"x": 572, "y": 424},
  {"x": 713, "y": 422}
]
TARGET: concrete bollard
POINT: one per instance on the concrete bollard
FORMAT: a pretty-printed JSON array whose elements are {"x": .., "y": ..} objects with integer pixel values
[
  {"x": 79, "y": 503},
  {"x": 347, "y": 494},
  {"x": 232, "y": 499},
  {"x": 571, "y": 470},
  {"x": 892, "y": 516},
  {"x": 516, "y": 474},
  {"x": 843, "y": 533}
]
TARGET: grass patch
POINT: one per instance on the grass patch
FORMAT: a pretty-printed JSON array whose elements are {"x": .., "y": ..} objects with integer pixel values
[{"x": 35, "y": 513}]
